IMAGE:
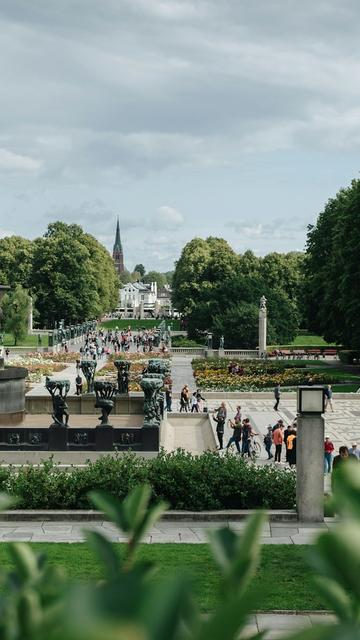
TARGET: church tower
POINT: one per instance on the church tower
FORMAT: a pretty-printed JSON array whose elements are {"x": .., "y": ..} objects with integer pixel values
[{"x": 118, "y": 255}]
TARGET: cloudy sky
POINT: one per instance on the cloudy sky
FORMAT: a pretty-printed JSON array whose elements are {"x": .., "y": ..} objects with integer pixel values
[{"x": 234, "y": 118}]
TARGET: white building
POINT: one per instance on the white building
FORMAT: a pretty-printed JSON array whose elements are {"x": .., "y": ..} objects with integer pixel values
[{"x": 140, "y": 300}]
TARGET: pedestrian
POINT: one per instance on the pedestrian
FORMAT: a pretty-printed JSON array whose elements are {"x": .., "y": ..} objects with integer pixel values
[
  {"x": 288, "y": 431},
  {"x": 354, "y": 451},
  {"x": 194, "y": 403},
  {"x": 291, "y": 448},
  {"x": 328, "y": 455},
  {"x": 168, "y": 398},
  {"x": 246, "y": 435},
  {"x": 277, "y": 393},
  {"x": 328, "y": 397},
  {"x": 220, "y": 419},
  {"x": 278, "y": 440},
  {"x": 79, "y": 384},
  {"x": 200, "y": 398},
  {"x": 237, "y": 427},
  {"x": 184, "y": 399},
  {"x": 344, "y": 456},
  {"x": 268, "y": 442}
]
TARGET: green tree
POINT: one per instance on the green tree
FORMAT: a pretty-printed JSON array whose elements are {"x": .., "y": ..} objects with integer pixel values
[
  {"x": 332, "y": 269},
  {"x": 73, "y": 275},
  {"x": 15, "y": 312},
  {"x": 139, "y": 268},
  {"x": 155, "y": 276},
  {"x": 16, "y": 256}
]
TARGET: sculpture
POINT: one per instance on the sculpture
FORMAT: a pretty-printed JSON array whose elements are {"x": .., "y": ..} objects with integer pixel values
[
  {"x": 221, "y": 344},
  {"x": 88, "y": 368},
  {"x": 58, "y": 390},
  {"x": 123, "y": 368},
  {"x": 104, "y": 392},
  {"x": 152, "y": 408},
  {"x": 156, "y": 365},
  {"x": 263, "y": 302}
]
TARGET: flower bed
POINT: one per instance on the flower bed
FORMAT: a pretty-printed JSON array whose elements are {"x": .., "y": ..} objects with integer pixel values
[
  {"x": 37, "y": 366},
  {"x": 213, "y": 375}
]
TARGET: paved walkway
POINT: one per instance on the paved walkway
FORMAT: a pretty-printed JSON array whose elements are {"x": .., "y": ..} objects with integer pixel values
[
  {"x": 194, "y": 532},
  {"x": 182, "y": 373},
  {"x": 69, "y": 373}
]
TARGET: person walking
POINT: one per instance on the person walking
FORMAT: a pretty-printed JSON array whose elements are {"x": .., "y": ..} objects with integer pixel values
[
  {"x": 236, "y": 436},
  {"x": 328, "y": 397},
  {"x": 291, "y": 448},
  {"x": 220, "y": 419},
  {"x": 354, "y": 451},
  {"x": 168, "y": 398},
  {"x": 79, "y": 384},
  {"x": 328, "y": 455},
  {"x": 277, "y": 393},
  {"x": 268, "y": 442},
  {"x": 184, "y": 399},
  {"x": 278, "y": 440},
  {"x": 194, "y": 403}
]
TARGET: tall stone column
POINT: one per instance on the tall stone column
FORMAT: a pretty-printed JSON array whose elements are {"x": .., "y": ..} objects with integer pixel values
[
  {"x": 30, "y": 316},
  {"x": 262, "y": 327}
]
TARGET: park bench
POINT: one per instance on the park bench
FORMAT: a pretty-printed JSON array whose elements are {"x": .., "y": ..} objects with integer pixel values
[
  {"x": 313, "y": 353},
  {"x": 330, "y": 352}
]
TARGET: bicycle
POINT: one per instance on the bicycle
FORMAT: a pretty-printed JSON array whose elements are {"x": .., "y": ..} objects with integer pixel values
[{"x": 254, "y": 448}]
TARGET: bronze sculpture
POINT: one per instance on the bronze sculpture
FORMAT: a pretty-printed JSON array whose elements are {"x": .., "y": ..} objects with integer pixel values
[
  {"x": 58, "y": 390},
  {"x": 104, "y": 392},
  {"x": 123, "y": 368},
  {"x": 88, "y": 368}
]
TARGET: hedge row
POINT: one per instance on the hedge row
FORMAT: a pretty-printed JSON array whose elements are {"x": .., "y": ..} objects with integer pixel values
[{"x": 194, "y": 483}]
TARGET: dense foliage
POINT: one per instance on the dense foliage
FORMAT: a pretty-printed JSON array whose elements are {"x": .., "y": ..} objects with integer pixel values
[
  {"x": 187, "y": 482},
  {"x": 219, "y": 291},
  {"x": 14, "y": 312},
  {"x": 70, "y": 273},
  {"x": 332, "y": 269}
]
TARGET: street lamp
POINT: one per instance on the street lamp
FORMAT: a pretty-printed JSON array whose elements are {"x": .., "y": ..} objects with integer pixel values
[
  {"x": 311, "y": 400},
  {"x": 310, "y": 453}
]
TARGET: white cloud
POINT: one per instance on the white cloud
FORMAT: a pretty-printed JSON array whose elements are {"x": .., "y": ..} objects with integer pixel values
[
  {"x": 169, "y": 217},
  {"x": 10, "y": 161}
]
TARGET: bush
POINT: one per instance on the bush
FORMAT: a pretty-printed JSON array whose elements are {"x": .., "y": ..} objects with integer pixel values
[
  {"x": 349, "y": 357},
  {"x": 186, "y": 482}
]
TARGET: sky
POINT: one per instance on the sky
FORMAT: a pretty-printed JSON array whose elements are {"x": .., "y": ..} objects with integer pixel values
[{"x": 184, "y": 118}]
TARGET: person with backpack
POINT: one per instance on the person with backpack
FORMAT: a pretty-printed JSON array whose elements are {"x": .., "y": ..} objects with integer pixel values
[
  {"x": 220, "y": 418},
  {"x": 268, "y": 442},
  {"x": 277, "y": 393}
]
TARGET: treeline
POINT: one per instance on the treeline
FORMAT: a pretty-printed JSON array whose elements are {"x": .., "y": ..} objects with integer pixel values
[
  {"x": 219, "y": 291},
  {"x": 70, "y": 274}
]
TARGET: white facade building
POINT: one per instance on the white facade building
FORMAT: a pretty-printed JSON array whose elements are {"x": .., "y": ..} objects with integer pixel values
[{"x": 140, "y": 300}]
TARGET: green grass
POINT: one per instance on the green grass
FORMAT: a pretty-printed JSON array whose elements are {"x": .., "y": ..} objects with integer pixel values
[
  {"x": 283, "y": 580},
  {"x": 305, "y": 342},
  {"x": 138, "y": 324},
  {"x": 345, "y": 388},
  {"x": 28, "y": 341}
]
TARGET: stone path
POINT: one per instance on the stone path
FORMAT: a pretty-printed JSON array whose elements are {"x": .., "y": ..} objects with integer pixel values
[
  {"x": 182, "y": 373},
  {"x": 69, "y": 373},
  {"x": 179, "y": 531}
]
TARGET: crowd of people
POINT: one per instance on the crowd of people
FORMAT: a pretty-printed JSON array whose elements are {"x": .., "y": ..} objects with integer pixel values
[{"x": 191, "y": 402}]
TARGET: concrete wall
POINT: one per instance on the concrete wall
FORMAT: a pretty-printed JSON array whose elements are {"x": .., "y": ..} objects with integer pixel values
[
  {"x": 12, "y": 395},
  {"x": 85, "y": 404}
]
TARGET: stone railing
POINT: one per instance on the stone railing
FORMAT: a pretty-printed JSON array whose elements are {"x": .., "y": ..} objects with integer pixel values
[
  {"x": 189, "y": 351},
  {"x": 241, "y": 353}
]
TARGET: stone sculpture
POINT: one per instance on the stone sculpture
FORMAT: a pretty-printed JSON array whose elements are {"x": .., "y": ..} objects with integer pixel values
[
  {"x": 88, "y": 368},
  {"x": 221, "y": 344},
  {"x": 151, "y": 385},
  {"x": 123, "y": 368},
  {"x": 104, "y": 392},
  {"x": 58, "y": 390},
  {"x": 156, "y": 365}
]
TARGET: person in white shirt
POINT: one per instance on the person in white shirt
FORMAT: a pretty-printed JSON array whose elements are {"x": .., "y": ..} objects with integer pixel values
[{"x": 354, "y": 451}]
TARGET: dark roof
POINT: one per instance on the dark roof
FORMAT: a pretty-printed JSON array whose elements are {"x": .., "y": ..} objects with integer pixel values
[{"x": 117, "y": 245}]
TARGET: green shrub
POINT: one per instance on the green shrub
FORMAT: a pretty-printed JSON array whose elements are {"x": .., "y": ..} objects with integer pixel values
[
  {"x": 349, "y": 357},
  {"x": 186, "y": 482}
]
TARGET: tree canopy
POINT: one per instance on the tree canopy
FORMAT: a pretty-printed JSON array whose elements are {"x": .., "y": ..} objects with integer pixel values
[
  {"x": 73, "y": 275},
  {"x": 16, "y": 257},
  {"x": 332, "y": 269},
  {"x": 15, "y": 312},
  {"x": 219, "y": 291}
]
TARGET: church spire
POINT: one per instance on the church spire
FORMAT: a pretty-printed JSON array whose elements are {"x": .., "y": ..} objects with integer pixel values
[{"x": 118, "y": 255}]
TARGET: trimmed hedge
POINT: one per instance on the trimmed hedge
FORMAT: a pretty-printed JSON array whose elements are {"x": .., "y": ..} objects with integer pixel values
[{"x": 194, "y": 483}]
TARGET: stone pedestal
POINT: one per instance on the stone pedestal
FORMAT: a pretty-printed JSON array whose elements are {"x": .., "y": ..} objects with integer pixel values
[
  {"x": 150, "y": 438},
  {"x": 12, "y": 395},
  {"x": 221, "y": 353},
  {"x": 104, "y": 438},
  {"x": 310, "y": 468},
  {"x": 209, "y": 353},
  {"x": 58, "y": 439}
]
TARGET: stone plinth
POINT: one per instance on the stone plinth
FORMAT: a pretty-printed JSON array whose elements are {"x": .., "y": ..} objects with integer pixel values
[
  {"x": 310, "y": 468},
  {"x": 12, "y": 395}
]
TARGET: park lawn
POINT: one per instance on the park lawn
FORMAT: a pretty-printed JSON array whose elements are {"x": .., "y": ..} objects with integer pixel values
[
  {"x": 305, "y": 342},
  {"x": 28, "y": 341},
  {"x": 283, "y": 580},
  {"x": 138, "y": 324}
]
